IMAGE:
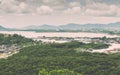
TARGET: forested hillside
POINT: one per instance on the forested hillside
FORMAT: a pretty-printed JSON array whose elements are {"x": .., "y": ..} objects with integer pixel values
[
  {"x": 13, "y": 39},
  {"x": 60, "y": 59}
]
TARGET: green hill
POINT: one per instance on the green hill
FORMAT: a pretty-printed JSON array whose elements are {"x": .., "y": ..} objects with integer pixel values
[
  {"x": 54, "y": 57},
  {"x": 3, "y": 28}
]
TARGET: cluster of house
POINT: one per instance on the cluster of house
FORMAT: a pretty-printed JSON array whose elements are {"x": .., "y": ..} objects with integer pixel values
[
  {"x": 114, "y": 42},
  {"x": 8, "y": 49},
  {"x": 80, "y": 39}
]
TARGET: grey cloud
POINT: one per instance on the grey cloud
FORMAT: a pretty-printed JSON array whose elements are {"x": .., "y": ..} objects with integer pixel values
[
  {"x": 115, "y": 2},
  {"x": 84, "y": 7}
]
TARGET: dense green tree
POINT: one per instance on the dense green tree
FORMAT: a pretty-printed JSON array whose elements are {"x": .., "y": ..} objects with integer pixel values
[
  {"x": 58, "y": 72},
  {"x": 13, "y": 39},
  {"x": 58, "y": 58}
]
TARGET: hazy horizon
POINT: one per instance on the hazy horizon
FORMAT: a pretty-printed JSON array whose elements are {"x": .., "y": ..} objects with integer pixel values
[
  {"x": 21, "y": 13},
  {"x": 26, "y": 26}
]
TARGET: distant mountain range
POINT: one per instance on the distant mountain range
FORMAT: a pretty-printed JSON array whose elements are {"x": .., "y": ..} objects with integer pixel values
[
  {"x": 6, "y": 29},
  {"x": 42, "y": 27},
  {"x": 71, "y": 26},
  {"x": 3, "y": 28}
]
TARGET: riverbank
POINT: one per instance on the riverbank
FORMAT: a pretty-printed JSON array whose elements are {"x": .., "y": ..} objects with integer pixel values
[{"x": 32, "y": 34}]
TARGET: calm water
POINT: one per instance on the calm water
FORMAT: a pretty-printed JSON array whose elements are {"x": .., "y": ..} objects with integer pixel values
[{"x": 30, "y": 34}]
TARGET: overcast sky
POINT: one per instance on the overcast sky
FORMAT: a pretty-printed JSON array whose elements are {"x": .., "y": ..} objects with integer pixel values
[{"x": 20, "y": 13}]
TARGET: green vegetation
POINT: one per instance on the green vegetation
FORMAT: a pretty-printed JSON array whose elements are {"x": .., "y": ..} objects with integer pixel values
[
  {"x": 75, "y": 44},
  {"x": 58, "y": 72},
  {"x": 13, "y": 39},
  {"x": 60, "y": 59}
]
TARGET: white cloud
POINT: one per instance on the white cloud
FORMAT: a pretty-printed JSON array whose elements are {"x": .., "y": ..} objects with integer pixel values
[
  {"x": 8, "y": 6},
  {"x": 23, "y": 8},
  {"x": 74, "y": 4},
  {"x": 100, "y": 9},
  {"x": 73, "y": 10},
  {"x": 23, "y": 5},
  {"x": 42, "y": 10},
  {"x": 74, "y": 7}
]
